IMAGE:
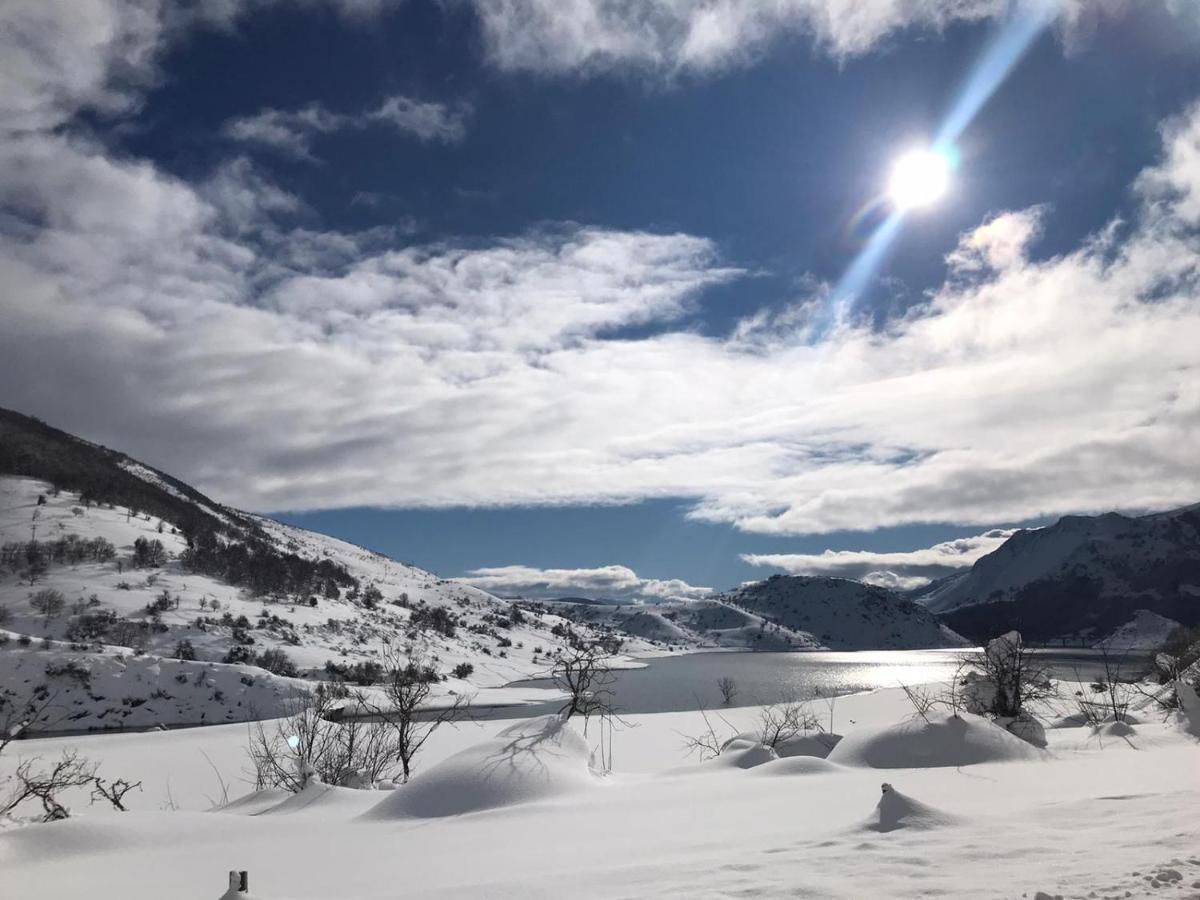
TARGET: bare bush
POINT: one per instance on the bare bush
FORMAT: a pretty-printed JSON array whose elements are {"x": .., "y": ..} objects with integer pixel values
[
  {"x": 729, "y": 690},
  {"x": 922, "y": 699},
  {"x": 309, "y": 743},
  {"x": 1108, "y": 698},
  {"x": 708, "y": 743},
  {"x": 46, "y": 786},
  {"x": 114, "y": 792},
  {"x": 783, "y": 721},
  {"x": 1014, "y": 676},
  {"x": 49, "y": 603}
]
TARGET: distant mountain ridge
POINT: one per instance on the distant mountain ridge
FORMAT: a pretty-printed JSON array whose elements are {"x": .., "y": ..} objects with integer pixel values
[
  {"x": 1082, "y": 576},
  {"x": 842, "y": 614}
]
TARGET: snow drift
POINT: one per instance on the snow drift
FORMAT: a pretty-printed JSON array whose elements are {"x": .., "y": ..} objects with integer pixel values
[
  {"x": 537, "y": 759},
  {"x": 896, "y": 810},
  {"x": 915, "y": 744}
]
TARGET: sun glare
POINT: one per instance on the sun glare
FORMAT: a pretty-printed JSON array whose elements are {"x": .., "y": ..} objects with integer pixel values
[{"x": 919, "y": 178}]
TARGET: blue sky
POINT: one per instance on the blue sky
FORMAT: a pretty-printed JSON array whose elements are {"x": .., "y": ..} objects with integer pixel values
[{"x": 539, "y": 293}]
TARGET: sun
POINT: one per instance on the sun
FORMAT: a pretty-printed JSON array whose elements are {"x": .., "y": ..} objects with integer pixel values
[{"x": 919, "y": 178}]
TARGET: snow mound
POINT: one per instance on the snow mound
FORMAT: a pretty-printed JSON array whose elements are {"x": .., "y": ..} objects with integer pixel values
[
  {"x": 896, "y": 810},
  {"x": 797, "y": 765},
  {"x": 813, "y": 743},
  {"x": 915, "y": 744},
  {"x": 740, "y": 753},
  {"x": 318, "y": 797},
  {"x": 254, "y": 803},
  {"x": 537, "y": 759}
]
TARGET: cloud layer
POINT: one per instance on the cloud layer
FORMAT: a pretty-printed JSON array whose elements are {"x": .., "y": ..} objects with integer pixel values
[
  {"x": 201, "y": 327},
  {"x": 902, "y": 570},
  {"x": 603, "y": 582}
]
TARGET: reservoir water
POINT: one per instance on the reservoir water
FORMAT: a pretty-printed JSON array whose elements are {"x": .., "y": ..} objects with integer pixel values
[{"x": 689, "y": 681}]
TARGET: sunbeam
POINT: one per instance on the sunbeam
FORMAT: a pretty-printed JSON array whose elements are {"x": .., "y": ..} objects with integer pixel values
[{"x": 922, "y": 176}]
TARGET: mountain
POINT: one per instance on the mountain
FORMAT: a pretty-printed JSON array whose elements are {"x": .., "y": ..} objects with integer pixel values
[
  {"x": 695, "y": 623},
  {"x": 782, "y": 613},
  {"x": 1084, "y": 576},
  {"x": 842, "y": 614}
]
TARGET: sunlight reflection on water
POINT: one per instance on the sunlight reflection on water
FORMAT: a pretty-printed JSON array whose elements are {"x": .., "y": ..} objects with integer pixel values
[{"x": 687, "y": 682}]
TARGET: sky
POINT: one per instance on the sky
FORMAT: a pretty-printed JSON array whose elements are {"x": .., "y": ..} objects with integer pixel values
[{"x": 608, "y": 298}]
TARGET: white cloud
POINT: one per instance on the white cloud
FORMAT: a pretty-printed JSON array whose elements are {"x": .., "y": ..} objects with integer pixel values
[
  {"x": 901, "y": 570},
  {"x": 293, "y": 131},
  {"x": 604, "y": 582},
  {"x": 199, "y": 327},
  {"x": 671, "y": 36},
  {"x": 138, "y": 312}
]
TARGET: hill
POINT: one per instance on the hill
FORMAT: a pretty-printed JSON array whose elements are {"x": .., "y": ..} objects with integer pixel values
[{"x": 1084, "y": 576}]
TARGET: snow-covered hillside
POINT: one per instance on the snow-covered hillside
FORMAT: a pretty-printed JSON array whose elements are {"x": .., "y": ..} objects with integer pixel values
[
  {"x": 843, "y": 615},
  {"x": 1084, "y": 575},
  {"x": 1145, "y": 631},
  {"x": 85, "y": 595},
  {"x": 691, "y": 624}
]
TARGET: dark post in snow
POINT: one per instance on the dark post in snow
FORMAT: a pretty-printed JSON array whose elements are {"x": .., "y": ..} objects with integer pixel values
[{"x": 239, "y": 883}]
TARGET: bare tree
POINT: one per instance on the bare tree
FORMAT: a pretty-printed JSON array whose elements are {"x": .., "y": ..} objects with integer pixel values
[
  {"x": 729, "y": 690},
  {"x": 583, "y": 674},
  {"x": 407, "y": 688}
]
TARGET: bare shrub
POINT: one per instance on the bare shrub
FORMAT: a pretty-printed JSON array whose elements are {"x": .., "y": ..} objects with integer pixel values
[
  {"x": 1014, "y": 675},
  {"x": 1108, "y": 698},
  {"x": 708, "y": 743},
  {"x": 49, "y": 603},
  {"x": 309, "y": 743},
  {"x": 783, "y": 721},
  {"x": 114, "y": 792},
  {"x": 923, "y": 700},
  {"x": 729, "y": 690},
  {"x": 28, "y": 782}
]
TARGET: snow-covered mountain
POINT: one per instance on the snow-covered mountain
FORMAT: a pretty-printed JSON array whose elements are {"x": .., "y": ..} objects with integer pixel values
[
  {"x": 696, "y": 623},
  {"x": 842, "y": 614},
  {"x": 1084, "y": 576}
]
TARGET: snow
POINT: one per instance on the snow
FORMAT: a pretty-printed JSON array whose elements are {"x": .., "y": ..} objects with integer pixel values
[
  {"x": 1145, "y": 631},
  {"x": 538, "y": 759},
  {"x": 1088, "y": 815},
  {"x": 945, "y": 740},
  {"x": 336, "y": 630},
  {"x": 896, "y": 810}
]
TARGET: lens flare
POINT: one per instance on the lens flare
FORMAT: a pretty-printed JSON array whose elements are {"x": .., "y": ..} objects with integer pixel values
[{"x": 919, "y": 178}]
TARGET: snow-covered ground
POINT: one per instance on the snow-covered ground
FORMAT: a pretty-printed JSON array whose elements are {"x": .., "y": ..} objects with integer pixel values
[{"x": 504, "y": 810}]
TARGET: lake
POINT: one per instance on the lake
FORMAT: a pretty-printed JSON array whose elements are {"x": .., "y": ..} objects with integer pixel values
[{"x": 685, "y": 682}]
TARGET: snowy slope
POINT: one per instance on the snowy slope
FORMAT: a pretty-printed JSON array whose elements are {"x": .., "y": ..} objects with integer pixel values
[
  {"x": 1084, "y": 574},
  {"x": 1145, "y": 631},
  {"x": 843, "y": 615},
  {"x": 691, "y": 624},
  {"x": 206, "y": 611}
]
